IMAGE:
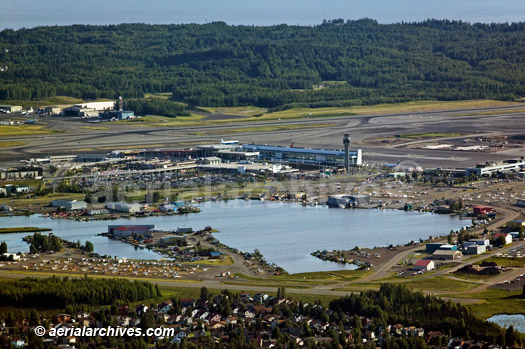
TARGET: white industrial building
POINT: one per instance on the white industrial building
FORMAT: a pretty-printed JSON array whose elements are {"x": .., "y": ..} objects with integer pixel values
[
  {"x": 476, "y": 249},
  {"x": 11, "y": 256},
  {"x": 91, "y": 109},
  {"x": 321, "y": 157},
  {"x": 484, "y": 242},
  {"x": 110, "y": 105},
  {"x": 11, "y": 108},
  {"x": 489, "y": 168},
  {"x": 124, "y": 207},
  {"x": 70, "y": 205}
]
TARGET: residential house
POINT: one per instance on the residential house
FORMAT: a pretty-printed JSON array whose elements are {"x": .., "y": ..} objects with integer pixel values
[
  {"x": 187, "y": 302},
  {"x": 18, "y": 343},
  {"x": 165, "y": 306},
  {"x": 141, "y": 309},
  {"x": 123, "y": 309},
  {"x": 260, "y": 297}
]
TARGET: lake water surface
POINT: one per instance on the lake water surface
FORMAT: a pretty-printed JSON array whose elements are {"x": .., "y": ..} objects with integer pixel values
[{"x": 285, "y": 233}]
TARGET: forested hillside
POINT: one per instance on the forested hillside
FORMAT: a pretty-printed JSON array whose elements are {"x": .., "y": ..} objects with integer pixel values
[{"x": 334, "y": 63}]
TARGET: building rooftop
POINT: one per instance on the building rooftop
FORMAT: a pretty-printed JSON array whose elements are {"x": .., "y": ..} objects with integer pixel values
[
  {"x": 422, "y": 263},
  {"x": 256, "y": 147},
  {"x": 446, "y": 252}
]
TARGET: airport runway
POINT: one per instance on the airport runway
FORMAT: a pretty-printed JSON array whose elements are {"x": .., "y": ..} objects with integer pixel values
[{"x": 502, "y": 121}]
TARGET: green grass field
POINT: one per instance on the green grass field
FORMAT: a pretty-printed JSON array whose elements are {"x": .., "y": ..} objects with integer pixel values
[
  {"x": 94, "y": 128},
  {"x": 23, "y": 203},
  {"x": 165, "y": 95},
  {"x": 59, "y": 100},
  {"x": 507, "y": 262},
  {"x": 24, "y": 130},
  {"x": 494, "y": 302},
  {"x": 10, "y": 144},
  {"x": 263, "y": 129},
  {"x": 495, "y": 112},
  {"x": 157, "y": 120},
  {"x": 240, "y": 111},
  {"x": 22, "y": 230},
  {"x": 408, "y": 107},
  {"x": 440, "y": 283},
  {"x": 305, "y": 280},
  {"x": 425, "y": 135}
]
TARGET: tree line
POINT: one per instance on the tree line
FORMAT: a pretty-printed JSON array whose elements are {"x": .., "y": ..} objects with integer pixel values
[
  {"x": 64, "y": 292},
  {"x": 393, "y": 304},
  {"x": 39, "y": 243},
  {"x": 336, "y": 63}
]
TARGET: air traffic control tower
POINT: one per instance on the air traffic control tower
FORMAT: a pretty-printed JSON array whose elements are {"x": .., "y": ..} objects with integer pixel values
[{"x": 346, "y": 142}]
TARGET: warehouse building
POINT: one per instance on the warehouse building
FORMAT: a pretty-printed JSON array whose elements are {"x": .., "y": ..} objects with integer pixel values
[
  {"x": 484, "y": 242},
  {"x": 22, "y": 172},
  {"x": 345, "y": 201},
  {"x": 117, "y": 115},
  {"x": 476, "y": 249},
  {"x": 432, "y": 247},
  {"x": 70, "y": 205},
  {"x": 447, "y": 247},
  {"x": 82, "y": 112},
  {"x": 172, "y": 239},
  {"x": 124, "y": 207},
  {"x": 91, "y": 109},
  {"x": 52, "y": 110},
  {"x": 446, "y": 255},
  {"x": 124, "y": 231},
  {"x": 109, "y": 105},
  {"x": 11, "y": 108}
]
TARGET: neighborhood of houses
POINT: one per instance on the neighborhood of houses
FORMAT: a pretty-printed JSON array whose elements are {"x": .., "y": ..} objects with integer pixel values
[{"x": 261, "y": 318}]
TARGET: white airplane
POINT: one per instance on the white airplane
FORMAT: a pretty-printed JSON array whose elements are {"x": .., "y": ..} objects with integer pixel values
[{"x": 228, "y": 142}]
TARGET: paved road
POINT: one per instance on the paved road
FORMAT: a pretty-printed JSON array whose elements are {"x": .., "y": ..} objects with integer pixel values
[{"x": 384, "y": 270}]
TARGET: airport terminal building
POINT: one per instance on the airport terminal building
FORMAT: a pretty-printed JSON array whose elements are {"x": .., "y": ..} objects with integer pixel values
[{"x": 322, "y": 157}]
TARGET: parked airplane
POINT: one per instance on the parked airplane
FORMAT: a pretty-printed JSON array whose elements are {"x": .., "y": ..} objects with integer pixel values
[{"x": 229, "y": 142}]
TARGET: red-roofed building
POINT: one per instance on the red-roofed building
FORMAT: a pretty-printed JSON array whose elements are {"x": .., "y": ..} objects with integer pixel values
[
  {"x": 424, "y": 264},
  {"x": 127, "y": 230},
  {"x": 482, "y": 209},
  {"x": 507, "y": 237}
]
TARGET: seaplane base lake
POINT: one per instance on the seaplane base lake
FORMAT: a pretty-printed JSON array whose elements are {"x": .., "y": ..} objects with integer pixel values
[{"x": 285, "y": 233}]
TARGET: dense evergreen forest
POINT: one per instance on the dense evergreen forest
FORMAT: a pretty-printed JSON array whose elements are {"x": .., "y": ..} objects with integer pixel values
[
  {"x": 334, "y": 63},
  {"x": 60, "y": 293},
  {"x": 397, "y": 304}
]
